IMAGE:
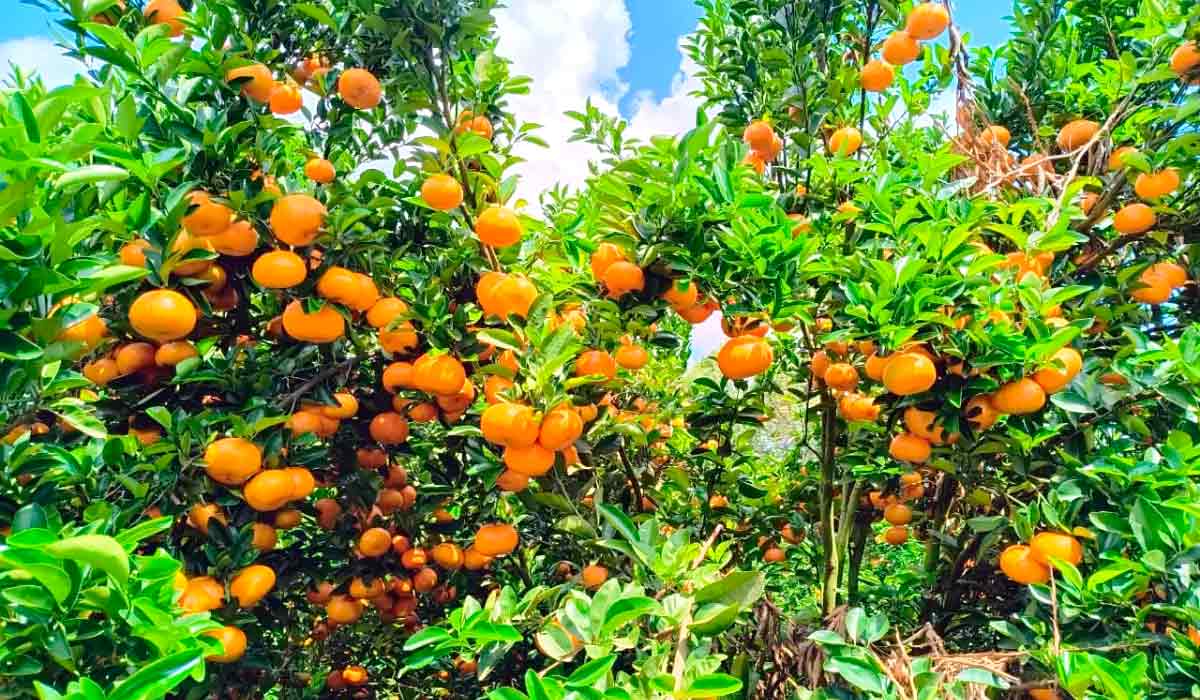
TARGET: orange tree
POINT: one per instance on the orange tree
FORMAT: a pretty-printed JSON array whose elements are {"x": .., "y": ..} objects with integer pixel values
[{"x": 409, "y": 441}]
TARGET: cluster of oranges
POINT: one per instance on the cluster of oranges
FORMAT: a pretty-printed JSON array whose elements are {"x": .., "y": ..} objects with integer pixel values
[
  {"x": 926, "y": 21},
  {"x": 612, "y": 268},
  {"x": 1030, "y": 564},
  {"x": 765, "y": 145},
  {"x": 205, "y": 593}
]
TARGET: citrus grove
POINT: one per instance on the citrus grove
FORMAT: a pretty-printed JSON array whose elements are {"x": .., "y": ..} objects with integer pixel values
[{"x": 300, "y": 400}]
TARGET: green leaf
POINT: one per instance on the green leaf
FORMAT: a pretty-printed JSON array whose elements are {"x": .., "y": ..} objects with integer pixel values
[
  {"x": 92, "y": 174},
  {"x": 859, "y": 673},
  {"x": 738, "y": 587},
  {"x": 626, "y": 610},
  {"x": 129, "y": 538},
  {"x": 425, "y": 637},
  {"x": 15, "y": 347},
  {"x": 100, "y": 551},
  {"x": 590, "y": 673},
  {"x": 316, "y": 12},
  {"x": 713, "y": 685},
  {"x": 623, "y": 525},
  {"x": 157, "y": 679},
  {"x": 20, "y": 106}
]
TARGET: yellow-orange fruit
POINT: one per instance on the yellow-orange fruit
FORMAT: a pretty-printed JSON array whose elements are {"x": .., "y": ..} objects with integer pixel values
[
  {"x": 907, "y": 447},
  {"x": 900, "y": 49},
  {"x": 927, "y": 21},
  {"x": 909, "y": 373},
  {"x": 1045, "y": 545},
  {"x": 1018, "y": 564},
  {"x": 1019, "y": 397}
]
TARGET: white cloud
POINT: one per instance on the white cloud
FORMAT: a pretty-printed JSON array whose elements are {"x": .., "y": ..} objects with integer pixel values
[
  {"x": 707, "y": 338},
  {"x": 41, "y": 55},
  {"x": 574, "y": 53}
]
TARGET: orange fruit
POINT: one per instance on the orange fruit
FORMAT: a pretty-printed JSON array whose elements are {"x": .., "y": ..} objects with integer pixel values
[
  {"x": 414, "y": 558},
  {"x": 458, "y": 401},
  {"x": 257, "y": 81},
  {"x": 1045, "y": 545},
  {"x": 996, "y": 134},
  {"x": 512, "y": 481},
  {"x": 421, "y": 413},
  {"x": 166, "y": 12},
  {"x": 493, "y": 386},
  {"x": 268, "y": 490},
  {"x": 279, "y": 269},
  {"x": 679, "y": 297},
  {"x": 233, "y": 644},
  {"x": 498, "y": 227},
  {"x": 399, "y": 376},
  {"x": 324, "y": 325},
  {"x": 424, "y": 580},
  {"x": 1185, "y": 58},
  {"x": 496, "y": 539},
  {"x": 385, "y": 311},
  {"x": 1133, "y": 219},
  {"x": 1019, "y": 397},
  {"x": 745, "y": 356},
  {"x": 1156, "y": 185},
  {"x": 533, "y": 460},
  {"x": 231, "y": 461},
  {"x": 774, "y": 555},
  {"x": 474, "y": 560},
  {"x": 88, "y": 331},
  {"x": 919, "y": 422},
  {"x": 319, "y": 170},
  {"x": 343, "y": 610},
  {"x": 362, "y": 590},
  {"x": 347, "y": 406},
  {"x": 389, "y": 428},
  {"x": 296, "y": 219},
  {"x": 448, "y": 556},
  {"x": 1076, "y": 134},
  {"x": 633, "y": 357},
  {"x": 133, "y": 253},
  {"x": 900, "y": 49},
  {"x": 237, "y": 240},
  {"x": 201, "y": 514},
  {"x": 1116, "y": 160},
  {"x": 841, "y": 375},
  {"x": 206, "y": 217},
  {"x": 162, "y": 315},
  {"x": 877, "y": 75},
  {"x": 1066, "y": 364},
  {"x": 981, "y": 412},
  {"x": 623, "y": 277},
  {"x": 927, "y": 21},
  {"x": 102, "y": 371},
  {"x": 509, "y": 424},
  {"x": 560, "y": 428},
  {"x": 595, "y": 362},
  {"x": 845, "y": 141},
  {"x": 604, "y": 256},
  {"x": 252, "y": 584},
  {"x": 287, "y": 518},
  {"x": 375, "y": 542},
  {"x": 443, "y": 193},
  {"x": 439, "y": 374},
  {"x": 898, "y": 514},
  {"x": 856, "y": 407},
  {"x": 202, "y": 594},
  {"x": 907, "y": 447},
  {"x": 1043, "y": 694},
  {"x": 593, "y": 576},
  {"x": 755, "y": 161},
  {"x": 133, "y": 357},
  {"x": 1156, "y": 288},
  {"x": 896, "y": 535},
  {"x": 1017, "y": 563},
  {"x": 759, "y": 136},
  {"x": 359, "y": 88},
  {"x": 909, "y": 373},
  {"x": 264, "y": 538},
  {"x": 285, "y": 99}
]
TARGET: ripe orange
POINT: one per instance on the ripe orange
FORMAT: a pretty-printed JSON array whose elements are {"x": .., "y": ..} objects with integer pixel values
[
  {"x": 927, "y": 21},
  {"x": 362, "y": 590},
  {"x": 774, "y": 555},
  {"x": 474, "y": 560},
  {"x": 593, "y": 576},
  {"x": 509, "y": 424},
  {"x": 268, "y": 490},
  {"x": 252, "y": 584},
  {"x": 1018, "y": 564},
  {"x": 420, "y": 413},
  {"x": 560, "y": 428},
  {"x": 877, "y": 75},
  {"x": 909, "y": 373},
  {"x": 232, "y": 460},
  {"x": 443, "y": 193},
  {"x": 898, "y": 514},
  {"x": 596, "y": 362},
  {"x": 343, "y": 610},
  {"x": 996, "y": 134},
  {"x": 1065, "y": 365},
  {"x": 375, "y": 542},
  {"x": 424, "y": 580},
  {"x": 347, "y": 406},
  {"x": 493, "y": 386},
  {"x": 907, "y": 447},
  {"x": 389, "y": 428},
  {"x": 1156, "y": 185},
  {"x": 257, "y": 81},
  {"x": 166, "y": 12},
  {"x": 841, "y": 375},
  {"x": 981, "y": 412},
  {"x": 496, "y": 539},
  {"x": 414, "y": 558},
  {"x": 102, "y": 371},
  {"x": 901, "y": 49},
  {"x": 458, "y": 401},
  {"x": 1043, "y": 694},
  {"x": 285, "y": 99},
  {"x": 510, "y": 480},
  {"x": 680, "y": 298},
  {"x": 1156, "y": 287},
  {"x": 856, "y": 407},
  {"x": 448, "y": 556},
  {"x": 385, "y": 311},
  {"x": 498, "y": 227},
  {"x": 845, "y": 141},
  {"x": 1133, "y": 219},
  {"x": 134, "y": 356},
  {"x": 133, "y": 253},
  {"x": 237, "y": 240},
  {"x": 439, "y": 374},
  {"x": 623, "y": 277},
  {"x": 201, "y": 514},
  {"x": 1185, "y": 58},
  {"x": 532, "y": 461},
  {"x": 605, "y": 255},
  {"x": 279, "y": 269},
  {"x": 1116, "y": 160},
  {"x": 759, "y": 136},
  {"x": 359, "y": 88},
  {"x": 233, "y": 644},
  {"x": 202, "y": 594},
  {"x": 896, "y": 535},
  {"x": 324, "y": 325},
  {"x": 632, "y": 356},
  {"x": 1019, "y": 397},
  {"x": 296, "y": 219},
  {"x": 162, "y": 315},
  {"x": 320, "y": 170},
  {"x": 1045, "y": 545},
  {"x": 265, "y": 537},
  {"x": 88, "y": 331},
  {"x": 745, "y": 356},
  {"x": 1076, "y": 134}
]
